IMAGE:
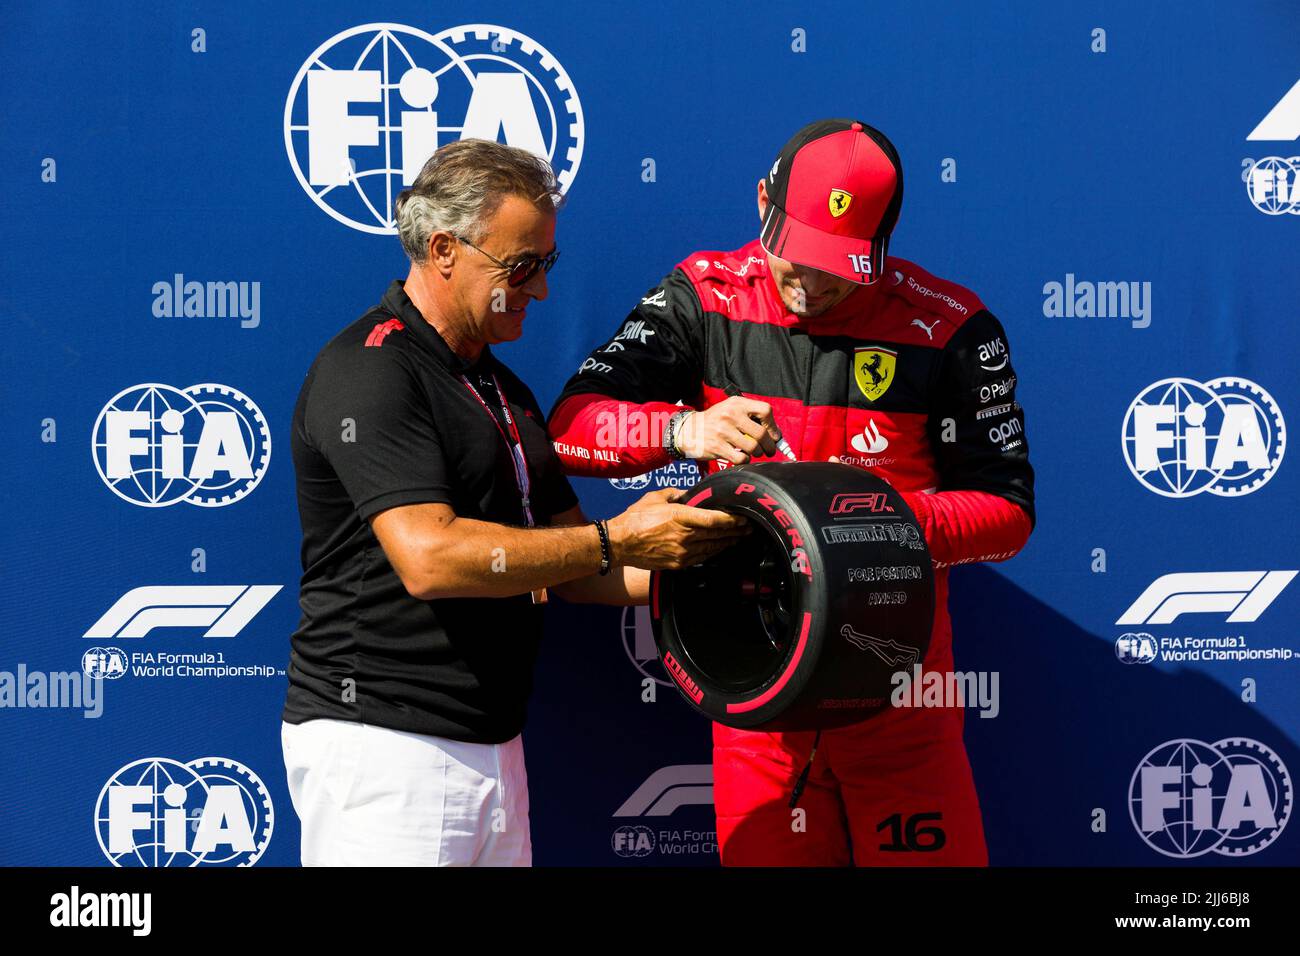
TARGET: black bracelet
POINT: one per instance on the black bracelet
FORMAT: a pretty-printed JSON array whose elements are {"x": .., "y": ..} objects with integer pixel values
[{"x": 606, "y": 555}]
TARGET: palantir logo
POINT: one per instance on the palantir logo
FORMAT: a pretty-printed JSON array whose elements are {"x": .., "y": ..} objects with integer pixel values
[
  {"x": 372, "y": 103},
  {"x": 1182, "y": 437},
  {"x": 1231, "y": 797},
  {"x": 160, "y": 812},
  {"x": 155, "y": 445}
]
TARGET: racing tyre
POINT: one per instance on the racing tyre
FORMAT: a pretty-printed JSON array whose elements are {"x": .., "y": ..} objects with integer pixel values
[{"x": 802, "y": 624}]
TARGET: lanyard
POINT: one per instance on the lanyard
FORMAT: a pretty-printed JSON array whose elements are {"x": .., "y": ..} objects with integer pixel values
[{"x": 516, "y": 445}]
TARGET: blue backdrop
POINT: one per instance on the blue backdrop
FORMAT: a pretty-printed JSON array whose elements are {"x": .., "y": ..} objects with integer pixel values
[{"x": 1150, "y": 146}]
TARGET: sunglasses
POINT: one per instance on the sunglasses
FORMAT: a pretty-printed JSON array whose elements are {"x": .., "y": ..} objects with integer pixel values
[{"x": 524, "y": 269}]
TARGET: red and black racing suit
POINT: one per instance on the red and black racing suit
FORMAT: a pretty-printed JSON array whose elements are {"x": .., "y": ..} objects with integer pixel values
[{"x": 910, "y": 378}]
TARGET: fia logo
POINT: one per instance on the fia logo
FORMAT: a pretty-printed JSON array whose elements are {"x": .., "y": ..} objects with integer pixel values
[
  {"x": 1182, "y": 437},
  {"x": 366, "y": 109},
  {"x": 160, "y": 812},
  {"x": 155, "y": 445},
  {"x": 1136, "y": 648},
  {"x": 1188, "y": 798}
]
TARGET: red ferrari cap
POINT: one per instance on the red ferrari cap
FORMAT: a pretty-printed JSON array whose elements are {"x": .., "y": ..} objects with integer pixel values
[{"x": 833, "y": 198}]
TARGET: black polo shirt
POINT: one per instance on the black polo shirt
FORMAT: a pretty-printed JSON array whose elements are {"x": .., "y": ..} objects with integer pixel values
[{"x": 384, "y": 419}]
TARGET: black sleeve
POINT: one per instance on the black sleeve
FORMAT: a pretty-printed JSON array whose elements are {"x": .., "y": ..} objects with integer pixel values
[
  {"x": 657, "y": 354},
  {"x": 976, "y": 426},
  {"x": 369, "y": 417}
]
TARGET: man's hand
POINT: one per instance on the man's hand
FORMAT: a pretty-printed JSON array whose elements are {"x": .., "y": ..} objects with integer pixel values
[
  {"x": 734, "y": 430},
  {"x": 657, "y": 534}
]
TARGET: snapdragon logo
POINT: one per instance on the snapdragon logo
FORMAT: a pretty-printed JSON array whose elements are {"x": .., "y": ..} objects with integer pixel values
[
  {"x": 370, "y": 105},
  {"x": 70, "y": 690}
]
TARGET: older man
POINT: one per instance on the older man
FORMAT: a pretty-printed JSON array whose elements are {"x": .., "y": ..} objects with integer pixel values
[{"x": 434, "y": 516}]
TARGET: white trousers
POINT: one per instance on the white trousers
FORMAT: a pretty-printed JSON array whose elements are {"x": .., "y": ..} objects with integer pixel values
[{"x": 371, "y": 796}]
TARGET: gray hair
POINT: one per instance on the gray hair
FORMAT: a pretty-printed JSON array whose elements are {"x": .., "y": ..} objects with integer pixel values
[{"x": 463, "y": 184}]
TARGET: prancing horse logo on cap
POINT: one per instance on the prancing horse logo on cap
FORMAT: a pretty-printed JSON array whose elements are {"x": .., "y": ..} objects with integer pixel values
[{"x": 839, "y": 202}]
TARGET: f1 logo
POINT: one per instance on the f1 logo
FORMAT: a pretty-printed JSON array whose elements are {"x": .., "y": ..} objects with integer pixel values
[
  {"x": 668, "y": 789},
  {"x": 1283, "y": 120},
  {"x": 860, "y": 264},
  {"x": 223, "y": 610},
  {"x": 1245, "y": 595},
  {"x": 872, "y": 501}
]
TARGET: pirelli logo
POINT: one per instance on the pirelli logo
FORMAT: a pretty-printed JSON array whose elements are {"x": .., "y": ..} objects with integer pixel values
[
  {"x": 683, "y": 679},
  {"x": 903, "y": 535}
]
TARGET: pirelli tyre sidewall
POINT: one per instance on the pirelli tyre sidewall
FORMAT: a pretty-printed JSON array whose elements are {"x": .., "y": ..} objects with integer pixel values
[{"x": 842, "y": 599}]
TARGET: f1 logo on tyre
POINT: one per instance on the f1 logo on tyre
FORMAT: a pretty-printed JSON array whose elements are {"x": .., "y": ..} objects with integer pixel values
[
  {"x": 872, "y": 502},
  {"x": 1242, "y": 595}
]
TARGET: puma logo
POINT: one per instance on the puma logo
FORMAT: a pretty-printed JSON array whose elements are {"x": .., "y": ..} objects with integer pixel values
[{"x": 929, "y": 329}]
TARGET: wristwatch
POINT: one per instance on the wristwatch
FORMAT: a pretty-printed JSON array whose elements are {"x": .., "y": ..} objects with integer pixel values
[{"x": 672, "y": 431}]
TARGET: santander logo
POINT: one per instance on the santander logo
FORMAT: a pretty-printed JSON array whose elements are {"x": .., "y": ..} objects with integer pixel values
[{"x": 870, "y": 442}]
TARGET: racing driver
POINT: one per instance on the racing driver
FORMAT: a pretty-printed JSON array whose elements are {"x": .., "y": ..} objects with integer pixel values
[{"x": 810, "y": 342}]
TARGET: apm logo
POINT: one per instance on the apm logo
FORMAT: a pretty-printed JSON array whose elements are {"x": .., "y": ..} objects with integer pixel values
[
  {"x": 372, "y": 103},
  {"x": 160, "y": 812},
  {"x": 1182, "y": 437},
  {"x": 1231, "y": 797},
  {"x": 155, "y": 445}
]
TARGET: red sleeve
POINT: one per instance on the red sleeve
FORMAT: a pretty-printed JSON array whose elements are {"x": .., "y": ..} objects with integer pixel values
[
  {"x": 962, "y": 527},
  {"x": 600, "y": 437}
]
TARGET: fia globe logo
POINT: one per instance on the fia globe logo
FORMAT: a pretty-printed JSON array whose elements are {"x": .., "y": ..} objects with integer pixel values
[
  {"x": 1188, "y": 798},
  {"x": 372, "y": 103},
  {"x": 1182, "y": 437},
  {"x": 160, "y": 812},
  {"x": 106, "y": 663},
  {"x": 1273, "y": 185},
  {"x": 155, "y": 445}
]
